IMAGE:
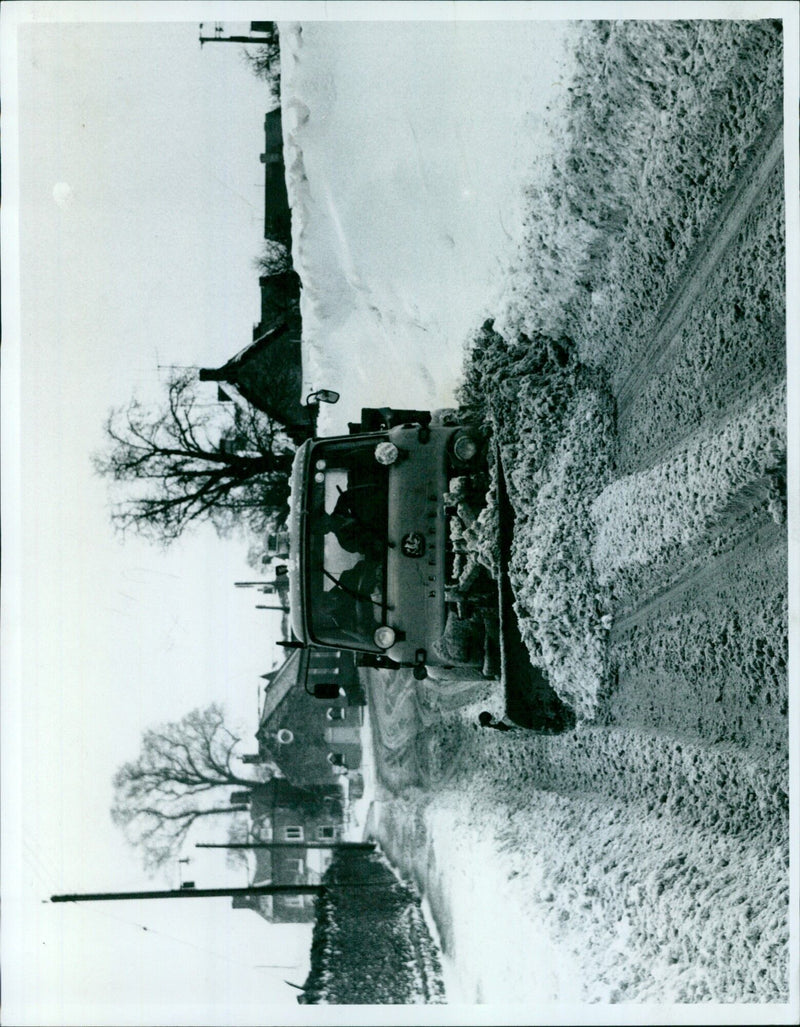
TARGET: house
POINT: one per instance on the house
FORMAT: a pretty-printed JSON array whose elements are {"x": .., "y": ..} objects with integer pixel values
[
  {"x": 267, "y": 373},
  {"x": 277, "y": 216},
  {"x": 313, "y": 741},
  {"x": 281, "y": 812}
]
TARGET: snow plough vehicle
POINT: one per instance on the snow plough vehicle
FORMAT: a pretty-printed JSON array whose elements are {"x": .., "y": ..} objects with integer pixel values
[{"x": 375, "y": 523}]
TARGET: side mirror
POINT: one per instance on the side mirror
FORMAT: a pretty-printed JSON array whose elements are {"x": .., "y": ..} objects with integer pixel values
[{"x": 322, "y": 396}]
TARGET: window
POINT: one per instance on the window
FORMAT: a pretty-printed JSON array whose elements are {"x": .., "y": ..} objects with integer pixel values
[
  {"x": 294, "y": 901},
  {"x": 293, "y": 834},
  {"x": 347, "y": 543},
  {"x": 262, "y": 830},
  {"x": 336, "y": 713},
  {"x": 326, "y": 832},
  {"x": 294, "y": 866}
]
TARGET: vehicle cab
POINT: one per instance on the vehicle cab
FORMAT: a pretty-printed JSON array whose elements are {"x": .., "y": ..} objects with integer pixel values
[{"x": 369, "y": 539}]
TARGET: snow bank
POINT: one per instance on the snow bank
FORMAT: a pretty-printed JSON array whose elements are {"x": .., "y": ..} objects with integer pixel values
[
  {"x": 403, "y": 205},
  {"x": 658, "y": 119},
  {"x": 601, "y": 866},
  {"x": 563, "y": 613},
  {"x": 554, "y": 421},
  {"x": 496, "y": 952},
  {"x": 691, "y": 99}
]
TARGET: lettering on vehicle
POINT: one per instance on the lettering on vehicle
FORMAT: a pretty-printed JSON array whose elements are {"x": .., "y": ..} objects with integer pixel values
[{"x": 413, "y": 544}]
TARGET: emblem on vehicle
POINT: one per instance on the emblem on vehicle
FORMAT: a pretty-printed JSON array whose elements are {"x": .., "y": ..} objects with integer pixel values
[{"x": 413, "y": 544}]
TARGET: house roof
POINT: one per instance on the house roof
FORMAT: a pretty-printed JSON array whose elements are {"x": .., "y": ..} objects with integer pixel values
[
  {"x": 280, "y": 683},
  {"x": 268, "y": 374},
  {"x": 227, "y": 371}
]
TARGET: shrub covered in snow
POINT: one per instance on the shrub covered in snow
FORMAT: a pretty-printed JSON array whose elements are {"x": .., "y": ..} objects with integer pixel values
[{"x": 371, "y": 944}]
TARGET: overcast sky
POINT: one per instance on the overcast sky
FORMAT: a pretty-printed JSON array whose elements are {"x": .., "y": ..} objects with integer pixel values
[{"x": 141, "y": 210}]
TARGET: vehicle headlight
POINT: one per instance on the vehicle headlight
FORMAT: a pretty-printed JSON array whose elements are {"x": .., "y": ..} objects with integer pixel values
[
  {"x": 386, "y": 453},
  {"x": 465, "y": 447},
  {"x": 384, "y": 637}
]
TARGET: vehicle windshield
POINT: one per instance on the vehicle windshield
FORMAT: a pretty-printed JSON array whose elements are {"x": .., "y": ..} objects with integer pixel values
[{"x": 347, "y": 526}]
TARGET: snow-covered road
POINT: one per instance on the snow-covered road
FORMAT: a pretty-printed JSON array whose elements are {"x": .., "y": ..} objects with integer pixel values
[
  {"x": 644, "y": 856},
  {"x": 635, "y": 868}
]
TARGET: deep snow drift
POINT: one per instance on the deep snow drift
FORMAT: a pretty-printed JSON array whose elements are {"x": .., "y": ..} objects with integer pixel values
[
  {"x": 637, "y": 197},
  {"x": 406, "y": 148}
]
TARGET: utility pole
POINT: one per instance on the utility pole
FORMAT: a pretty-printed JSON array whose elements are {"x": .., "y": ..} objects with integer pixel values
[
  {"x": 195, "y": 893},
  {"x": 218, "y": 37},
  {"x": 348, "y": 846}
]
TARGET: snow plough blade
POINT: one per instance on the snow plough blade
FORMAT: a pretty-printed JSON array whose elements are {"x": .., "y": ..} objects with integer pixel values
[{"x": 530, "y": 700}]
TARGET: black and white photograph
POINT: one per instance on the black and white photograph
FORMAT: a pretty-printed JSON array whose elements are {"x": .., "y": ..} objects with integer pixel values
[{"x": 400, "y": 513}]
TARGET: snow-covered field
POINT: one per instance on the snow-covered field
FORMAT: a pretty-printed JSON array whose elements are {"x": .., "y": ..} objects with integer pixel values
[{"x": 634, "y": 375}]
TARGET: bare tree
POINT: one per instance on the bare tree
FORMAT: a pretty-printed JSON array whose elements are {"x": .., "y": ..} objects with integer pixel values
[
  {"x": 188, "y": 462},
  {"x": 179, "y": 780},
  {"x": 274, "y": 259},
  {"x": 265, "y": 61}
]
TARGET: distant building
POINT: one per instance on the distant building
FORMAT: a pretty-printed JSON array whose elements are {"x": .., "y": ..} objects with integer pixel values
[
  {"x": 268, "y": 372},
  {"x": 313, "y": 741},
  {"x": 277, "y": 216},
  {"x": 281, "y": 812}
]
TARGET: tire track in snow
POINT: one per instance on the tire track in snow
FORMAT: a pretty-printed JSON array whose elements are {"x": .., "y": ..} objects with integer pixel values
[
  {"x": 706, "y": 258},
  {"x": 696, "y": 577},
  {"x": 724, "y": 788},
  {"x": 667, "y": 449}
]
